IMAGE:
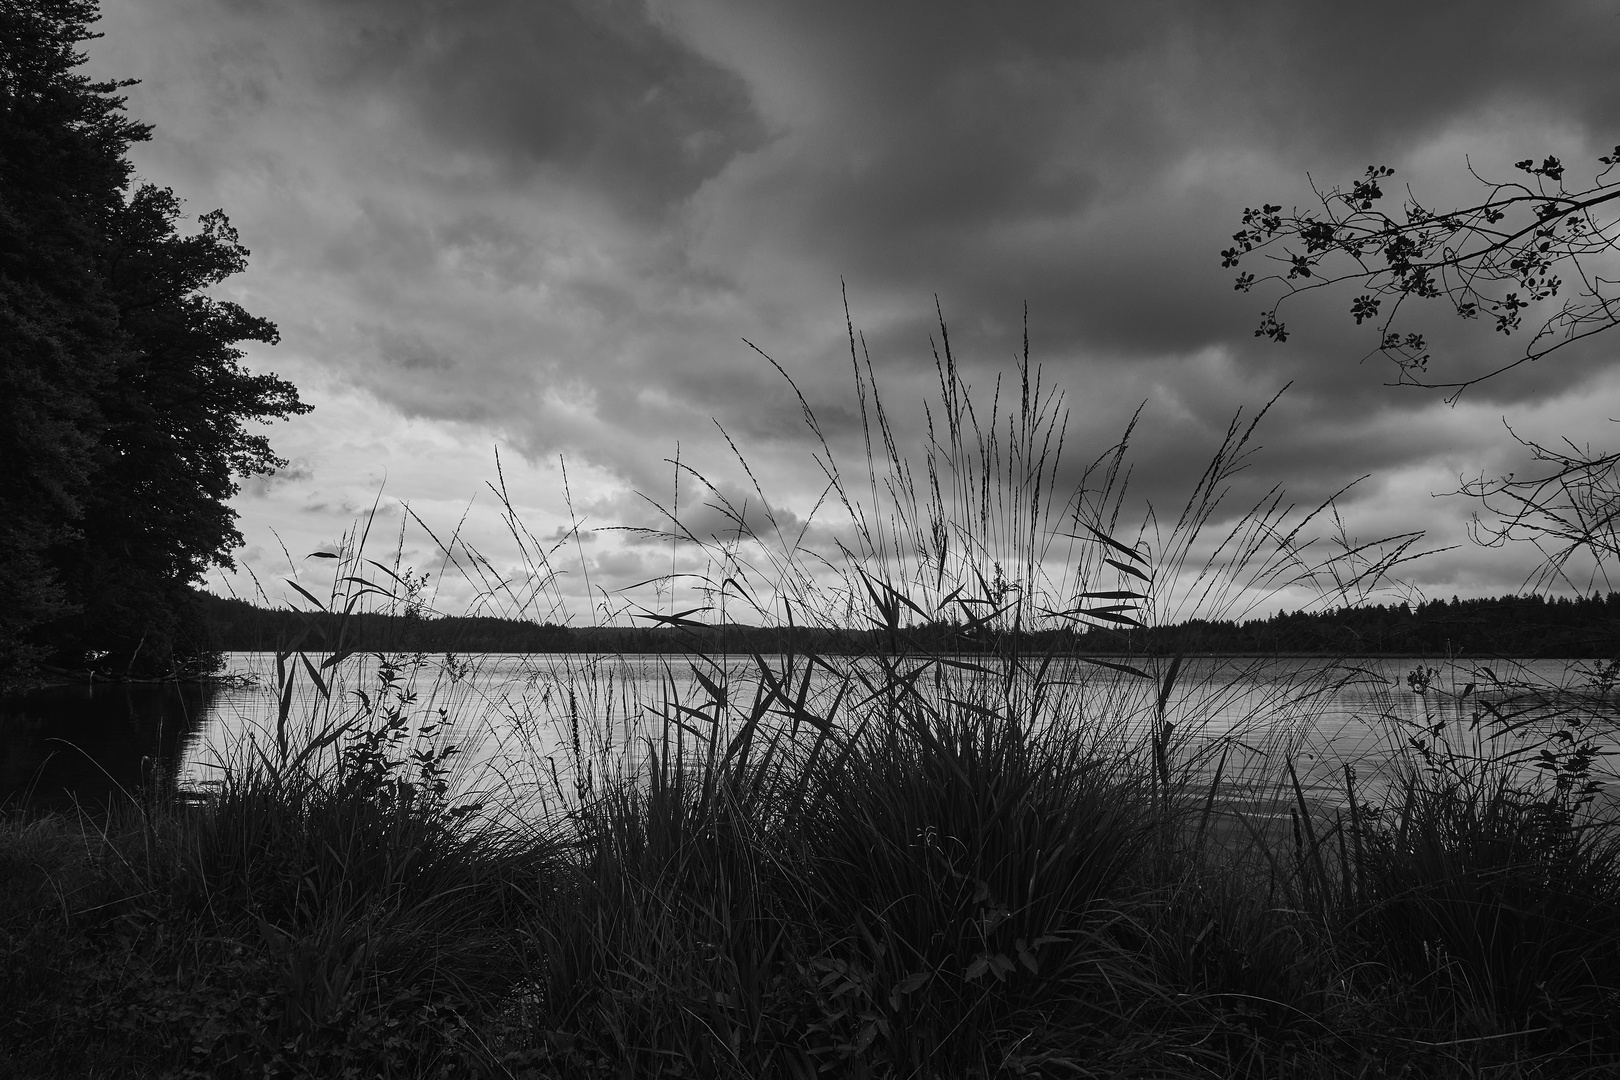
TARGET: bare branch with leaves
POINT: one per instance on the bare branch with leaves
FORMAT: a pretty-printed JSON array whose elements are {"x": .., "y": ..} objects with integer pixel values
[
  {"x": 1571, "y": 513},
  {"x": 1531, "y": 256}
]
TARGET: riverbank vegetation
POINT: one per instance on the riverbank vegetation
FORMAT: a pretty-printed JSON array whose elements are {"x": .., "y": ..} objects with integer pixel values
[
  {"x": 909, "y": 862},
  {"x": 956, "y": 879}
]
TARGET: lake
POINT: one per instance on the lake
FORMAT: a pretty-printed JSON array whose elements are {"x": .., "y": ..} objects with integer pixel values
[{"x": 517, "y": 719}]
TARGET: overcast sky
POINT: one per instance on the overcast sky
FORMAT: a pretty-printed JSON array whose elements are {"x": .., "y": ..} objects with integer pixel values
[{"x": 547, "y": 227}]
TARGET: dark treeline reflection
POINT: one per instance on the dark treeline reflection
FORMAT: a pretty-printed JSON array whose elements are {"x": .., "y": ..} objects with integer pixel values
[{"x": 86, "y": 743}]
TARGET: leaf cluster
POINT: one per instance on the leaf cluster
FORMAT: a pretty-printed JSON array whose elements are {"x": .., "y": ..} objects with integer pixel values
[{"x": 1529, "y": 256}]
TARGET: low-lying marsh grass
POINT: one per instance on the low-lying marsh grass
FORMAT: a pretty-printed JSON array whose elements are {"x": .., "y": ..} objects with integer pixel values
[
  {"x": 963, "y": 851},
  {"x": 305, "y": 916},
  {"x": 1502, "y": 913}
]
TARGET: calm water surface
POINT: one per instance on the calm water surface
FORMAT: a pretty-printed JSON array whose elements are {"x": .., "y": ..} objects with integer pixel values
[
  {"x": 517, "y": 719},
  {"x": 92, "y": 744}
]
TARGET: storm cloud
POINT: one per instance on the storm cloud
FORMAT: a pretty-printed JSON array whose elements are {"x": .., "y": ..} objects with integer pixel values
[{"x": 549, "y": 226}]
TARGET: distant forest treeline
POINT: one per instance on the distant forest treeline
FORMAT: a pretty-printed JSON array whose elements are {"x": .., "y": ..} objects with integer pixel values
[{"x": 1521, "y": 626}]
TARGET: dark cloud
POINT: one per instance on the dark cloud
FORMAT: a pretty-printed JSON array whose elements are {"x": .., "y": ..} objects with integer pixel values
[
  {"x": 599, "y": 93},
  {"x": 554, "y": 222},
  {"x": 1371, "y": 79},
  {"x": 1037, "y": 161}
]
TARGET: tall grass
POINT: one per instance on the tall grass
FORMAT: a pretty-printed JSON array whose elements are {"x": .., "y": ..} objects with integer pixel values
[{"x": 962, "y": 851}]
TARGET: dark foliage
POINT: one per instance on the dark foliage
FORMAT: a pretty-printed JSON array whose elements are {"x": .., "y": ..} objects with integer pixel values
[
  {"x": 1520, "y": 626},
  {"x": 122, "y": 399},
  {"x": 1527, "y": 257},
  {"x": 62, "y": 140}
]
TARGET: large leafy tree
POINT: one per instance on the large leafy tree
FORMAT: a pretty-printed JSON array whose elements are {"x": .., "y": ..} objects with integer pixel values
[{"x": 124, "y": 407}]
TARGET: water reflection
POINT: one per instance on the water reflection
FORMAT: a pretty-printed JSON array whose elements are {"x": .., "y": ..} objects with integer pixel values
[
  {"x": 87, "y": 744},
  {"x": 517, "y": 717}
]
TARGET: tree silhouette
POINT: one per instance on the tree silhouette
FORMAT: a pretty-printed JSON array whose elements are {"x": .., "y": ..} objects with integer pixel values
[
  {"x": 123, "y": 402},
  {"x": 1527, "y": 257}
]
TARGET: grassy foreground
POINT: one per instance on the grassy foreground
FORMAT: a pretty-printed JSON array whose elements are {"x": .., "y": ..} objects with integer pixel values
[
  {"x": 954, "y": 887},
  {"x": 912, "y": 863}
]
